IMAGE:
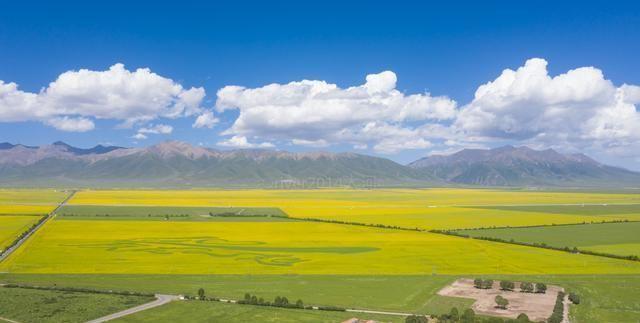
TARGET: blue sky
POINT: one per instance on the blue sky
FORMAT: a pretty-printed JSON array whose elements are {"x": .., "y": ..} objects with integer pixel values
[{"x": 441, "y": 53}]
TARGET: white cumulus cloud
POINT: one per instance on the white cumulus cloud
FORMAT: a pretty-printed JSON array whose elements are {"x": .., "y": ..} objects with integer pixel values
[
  {"x": 576, "y": 110},
  {"x": 71, "y": 124},
  {"x": 320, "y": 112},
  {"x": 158, "y": 129},
  {"x": 242, "y": 142},
  {"x": 117, "y": 94},
  {"x": 205, "y": 120}
]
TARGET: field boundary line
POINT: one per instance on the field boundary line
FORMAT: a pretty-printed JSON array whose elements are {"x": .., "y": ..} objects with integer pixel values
[{"x": 6, "y": 253}]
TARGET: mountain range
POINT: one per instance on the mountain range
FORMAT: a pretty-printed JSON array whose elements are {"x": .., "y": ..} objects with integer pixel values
[{"x": 174, "y": 163}]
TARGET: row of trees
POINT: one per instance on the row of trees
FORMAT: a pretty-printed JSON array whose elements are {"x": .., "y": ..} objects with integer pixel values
[
  {"x": 468, "y": 316},
  {"x": 24, "y": 234},
  {"x": 279, "y": 301},
  {"x": 382, "y": 226},
  {"x": 507, "y": 285}
]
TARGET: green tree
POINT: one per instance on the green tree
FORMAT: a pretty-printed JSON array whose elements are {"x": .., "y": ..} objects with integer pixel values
[
  {"x": 247, "y": 297},
  {"x": 416, "y": 319},
  {"x": 541, "y": 288},
  {"x": 299, "y": 304},
  {"x": 469, "y": 316},
  {"x": 487, "y": 284},
  {"x": 277, "y": 301},
  {"x": 502, "y": 302},
  {"x": 285, "y": 301},
  {"x": 574, "y": 298},
  {"x": 477, "y": 283},
  {"x": 454, "y": 315},
  {"x": 522, "y": 318},
  {"x": 507, "y": 285},
  {"x": 254, "y": 300},
  {"x": 526, "y": 287},
  {"x": 201, "y": 293},
  {"x": 261, "y": 301}
]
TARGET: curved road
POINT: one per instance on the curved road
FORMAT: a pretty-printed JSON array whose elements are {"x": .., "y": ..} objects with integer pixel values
[{"x": 161, "y": 299}]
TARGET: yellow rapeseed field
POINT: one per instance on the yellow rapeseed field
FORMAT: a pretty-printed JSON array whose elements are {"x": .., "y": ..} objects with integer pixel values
[
  {"x": 29, "y": 201},
  {"x": 421, "y": 208},
  {"x": 31, "y": 196},
  {"x": 25, "y": 209},
  {"x": 12, "y": 226},
  {"x": 97, "y": 246}
]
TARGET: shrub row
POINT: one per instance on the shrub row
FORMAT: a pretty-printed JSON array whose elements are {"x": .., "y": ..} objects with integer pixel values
[
  {"x": 279, "y": 301},
  {"x": 539, "y": 245},
  {"x": 78, "y": 290},
  {"x": 468, "y": 316},
  {"x": 558, "y": 310},
  {"x": 252, "y": 215},
  {"x": 545, "y": 225},
  {"x": 382, "y": 226}
]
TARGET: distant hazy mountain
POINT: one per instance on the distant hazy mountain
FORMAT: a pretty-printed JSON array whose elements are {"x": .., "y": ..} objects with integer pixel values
[
  {"x": 523, "y": 166},
  {"x": 175, "y": 163}
]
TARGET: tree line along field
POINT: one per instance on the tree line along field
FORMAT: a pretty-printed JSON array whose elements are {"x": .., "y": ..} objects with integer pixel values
[
  {"x": 173, "y": 242},
  {"x": 11, "y": 226},
  {"x": 616, "y": 238}
]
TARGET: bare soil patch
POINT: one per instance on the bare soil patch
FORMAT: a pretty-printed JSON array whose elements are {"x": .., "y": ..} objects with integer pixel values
[{"x": 537, "y": 306}]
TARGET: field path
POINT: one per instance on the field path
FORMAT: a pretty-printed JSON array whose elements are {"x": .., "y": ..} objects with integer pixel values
[
  {"x": 160, "y": 300},
  {"x": 377, "y": 312},
  {"x": 8, "y": 320},
  {"x": 51, "y": 214}
]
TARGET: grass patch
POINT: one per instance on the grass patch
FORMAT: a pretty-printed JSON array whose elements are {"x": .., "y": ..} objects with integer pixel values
[
  {"x": 194, "y": 311},
  {"x": 30, "y": 305}
]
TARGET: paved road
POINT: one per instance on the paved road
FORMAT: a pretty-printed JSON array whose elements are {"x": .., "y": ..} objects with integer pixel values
[
  {"x": 8, "y": 252},
  {"x": 160, "y": 300}
]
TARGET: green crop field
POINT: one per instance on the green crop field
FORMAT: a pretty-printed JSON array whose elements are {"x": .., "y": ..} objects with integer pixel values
[
  {"x": 40, "y": 306},
  {"x": 616, "y": 238}
]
